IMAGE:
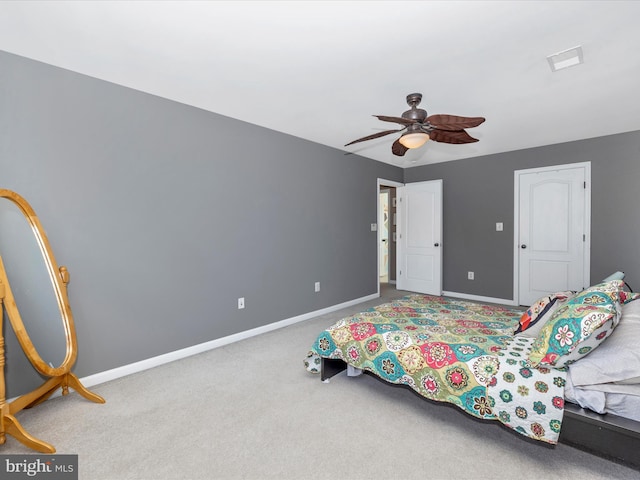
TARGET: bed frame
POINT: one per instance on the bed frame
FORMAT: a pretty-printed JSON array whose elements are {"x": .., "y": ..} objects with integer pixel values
[{"x": 608, "y": 436}]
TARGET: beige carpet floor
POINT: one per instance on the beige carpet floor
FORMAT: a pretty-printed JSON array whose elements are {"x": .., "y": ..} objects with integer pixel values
[{"x": 250, "y": 410}]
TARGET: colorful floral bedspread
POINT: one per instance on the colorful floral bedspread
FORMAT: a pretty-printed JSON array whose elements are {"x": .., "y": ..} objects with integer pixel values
[
  {"x": 452, "y": 351},
  {"x": 529, "y": 400}
]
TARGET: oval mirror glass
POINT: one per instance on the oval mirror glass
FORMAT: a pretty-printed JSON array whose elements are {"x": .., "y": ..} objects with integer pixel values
[{"x": 36, "y": 302}]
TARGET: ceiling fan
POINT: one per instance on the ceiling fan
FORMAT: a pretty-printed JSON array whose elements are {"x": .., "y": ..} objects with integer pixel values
[{"x": 420, "y": 128}]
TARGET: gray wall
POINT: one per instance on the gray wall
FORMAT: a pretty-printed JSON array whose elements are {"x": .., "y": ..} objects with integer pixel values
[
  {"x": 165, "y": 214},
  {"x": 478, "y": 192}
]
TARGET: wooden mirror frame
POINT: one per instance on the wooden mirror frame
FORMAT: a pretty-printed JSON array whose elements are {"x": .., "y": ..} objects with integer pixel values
[
  {"x": 59, "y": 279},
  {"x": 59, "y": 376}
]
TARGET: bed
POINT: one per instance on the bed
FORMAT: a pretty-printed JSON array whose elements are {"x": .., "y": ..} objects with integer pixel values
[{"x": 558, "y": 372}]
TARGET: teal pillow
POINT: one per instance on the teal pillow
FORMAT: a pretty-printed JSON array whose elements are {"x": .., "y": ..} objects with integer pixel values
[
  {"x": 578, "y": 326},
  {"x": 614, "y": 276}
]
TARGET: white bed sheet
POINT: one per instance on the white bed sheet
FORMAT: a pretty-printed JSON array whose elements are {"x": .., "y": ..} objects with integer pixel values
[{"x": 621, "y": 400}]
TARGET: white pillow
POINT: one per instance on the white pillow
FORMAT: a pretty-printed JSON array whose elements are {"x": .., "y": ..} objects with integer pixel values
[{"x": 617, "y": 359}]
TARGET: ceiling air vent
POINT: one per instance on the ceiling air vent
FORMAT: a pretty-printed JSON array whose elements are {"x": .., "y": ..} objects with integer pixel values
[{"x": 565, "y": 59}]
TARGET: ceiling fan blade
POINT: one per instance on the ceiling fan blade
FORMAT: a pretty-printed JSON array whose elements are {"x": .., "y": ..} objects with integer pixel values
[
  {"x": 398, "y": 149},
  {"x": 448, "y": 136},
  {"x": 375, "y": 135},
  {"x": 400, "y": 120},
  {"x": 454, "y": 122}
]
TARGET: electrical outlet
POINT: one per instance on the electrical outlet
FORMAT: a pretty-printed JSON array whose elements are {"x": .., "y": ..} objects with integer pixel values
[
  {"x": 240, "y": 303},
  {"x": 317, "y": 286},
  {"x": 470, "y": 275}
]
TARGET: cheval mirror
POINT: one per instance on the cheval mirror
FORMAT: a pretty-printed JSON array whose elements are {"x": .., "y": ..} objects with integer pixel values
[{"x": 32, "y": 283}]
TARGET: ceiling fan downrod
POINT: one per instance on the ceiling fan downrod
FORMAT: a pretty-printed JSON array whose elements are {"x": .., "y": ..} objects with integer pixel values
[{"x": 416, "y": 114}]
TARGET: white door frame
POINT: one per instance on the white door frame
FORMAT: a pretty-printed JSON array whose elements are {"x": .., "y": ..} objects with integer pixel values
[
  {"x": 586, "y": 262},
  {"x": 383, "y": 183}
]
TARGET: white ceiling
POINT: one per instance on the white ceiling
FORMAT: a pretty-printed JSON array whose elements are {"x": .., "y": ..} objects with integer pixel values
[{"x": 319, "y": 70}]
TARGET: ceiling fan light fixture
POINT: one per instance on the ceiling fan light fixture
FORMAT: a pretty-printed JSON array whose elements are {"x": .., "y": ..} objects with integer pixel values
[{"x": 414, "y": 140}]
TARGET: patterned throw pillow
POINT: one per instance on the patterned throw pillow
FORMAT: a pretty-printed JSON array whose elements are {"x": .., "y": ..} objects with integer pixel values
[
  {"x": 540, "y": 311},
  {"x": 626, "y": 297},
  {"x": 579, "y": 326}
]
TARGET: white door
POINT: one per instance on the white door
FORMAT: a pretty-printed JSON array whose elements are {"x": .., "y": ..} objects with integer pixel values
[
  {"x": 420, "y": 237},
  {"x": 552, "y": 232}
]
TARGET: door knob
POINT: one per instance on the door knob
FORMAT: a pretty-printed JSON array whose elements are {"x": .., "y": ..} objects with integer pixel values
[
  {"x": 523, "y": 246},
  {"x": 436, "y": 244}
]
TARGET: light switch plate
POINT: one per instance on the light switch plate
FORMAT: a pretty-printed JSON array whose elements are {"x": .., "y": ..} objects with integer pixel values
[
  {"x": 499, "y": 227},
  {"x": 374, "y": 227}
]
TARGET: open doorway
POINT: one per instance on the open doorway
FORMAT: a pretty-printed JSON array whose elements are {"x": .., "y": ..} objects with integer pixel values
[
  {"x": 386, "y": 263},
  {"x": 387, "y": 234}
]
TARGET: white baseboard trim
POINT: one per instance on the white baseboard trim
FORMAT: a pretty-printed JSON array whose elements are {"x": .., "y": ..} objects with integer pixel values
[
  {"x": 479, "y": 298},
  {"x": 152, "y": 362}
]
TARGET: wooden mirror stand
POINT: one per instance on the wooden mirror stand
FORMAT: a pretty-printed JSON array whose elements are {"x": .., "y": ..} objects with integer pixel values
[{"x": 58, "y": 377}]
